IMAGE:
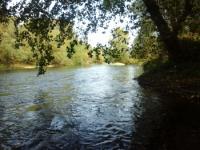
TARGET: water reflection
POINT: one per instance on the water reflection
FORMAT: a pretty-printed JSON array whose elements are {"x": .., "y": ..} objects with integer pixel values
[{"x": 81, "y": 108}]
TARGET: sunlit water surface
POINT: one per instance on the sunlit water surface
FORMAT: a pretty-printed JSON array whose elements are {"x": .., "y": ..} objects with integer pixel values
[{"x": 69, "y": 108}]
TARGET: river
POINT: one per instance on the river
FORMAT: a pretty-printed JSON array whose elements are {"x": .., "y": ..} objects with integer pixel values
[{"x": 94, "y": 107}]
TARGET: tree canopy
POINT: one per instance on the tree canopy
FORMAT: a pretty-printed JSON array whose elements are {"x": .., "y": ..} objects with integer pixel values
[{"x": 39, "y": 17}]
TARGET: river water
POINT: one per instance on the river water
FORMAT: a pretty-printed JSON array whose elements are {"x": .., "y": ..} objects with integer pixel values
[{"x": 94, "y": 107}]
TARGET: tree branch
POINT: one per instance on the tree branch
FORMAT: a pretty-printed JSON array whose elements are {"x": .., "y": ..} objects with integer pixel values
[{"x": 167, "y": 36}]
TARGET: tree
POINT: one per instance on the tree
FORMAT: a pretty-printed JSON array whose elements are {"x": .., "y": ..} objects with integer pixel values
[
  {"x": 169, "y": 17},
  {"x": 118, "y": 49},
  {"x": 8, "y": 53},
  {"x": 147, "y": 45},
  {"x": 4, "y": 11},
  {"x": 96, "y": 53},
  {"x": 40, "y": 17}
]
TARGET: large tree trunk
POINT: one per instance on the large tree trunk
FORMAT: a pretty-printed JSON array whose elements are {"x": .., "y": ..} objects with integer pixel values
[{"x": 169, "y": 37}]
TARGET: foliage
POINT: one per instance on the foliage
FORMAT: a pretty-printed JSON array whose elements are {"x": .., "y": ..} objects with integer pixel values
[
  {"x": 4, "y": 12},
  {"x": 97, "y": 54},
  {"x": 60, "y": 56},
  {"x": 118, "y": 51},
  {"x": 10, "y": 55},
  {"x": 147, "y": 44},
  {"x": 40, "y": 17},
  {"x": 172, "y": 20},
  {"x": 81, "y": 56}
]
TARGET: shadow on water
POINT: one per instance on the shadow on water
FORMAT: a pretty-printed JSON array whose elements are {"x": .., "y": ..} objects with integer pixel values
[{"x": 166, "y": 123}]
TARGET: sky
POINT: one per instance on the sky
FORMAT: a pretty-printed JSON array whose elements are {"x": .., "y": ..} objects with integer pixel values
[{"x": 101, "y": 36}]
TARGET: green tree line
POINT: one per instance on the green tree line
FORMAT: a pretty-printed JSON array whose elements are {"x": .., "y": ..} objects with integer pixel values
[{"x": 11, "y": 53}]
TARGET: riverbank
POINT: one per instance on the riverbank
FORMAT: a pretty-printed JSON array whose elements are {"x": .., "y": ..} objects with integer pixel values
[
  {"x": 176, "y": 126},
  {"x": 32, "y": 66},
  {"x": 21, "y": 66},
  {"x": 181, "y": 81}
]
